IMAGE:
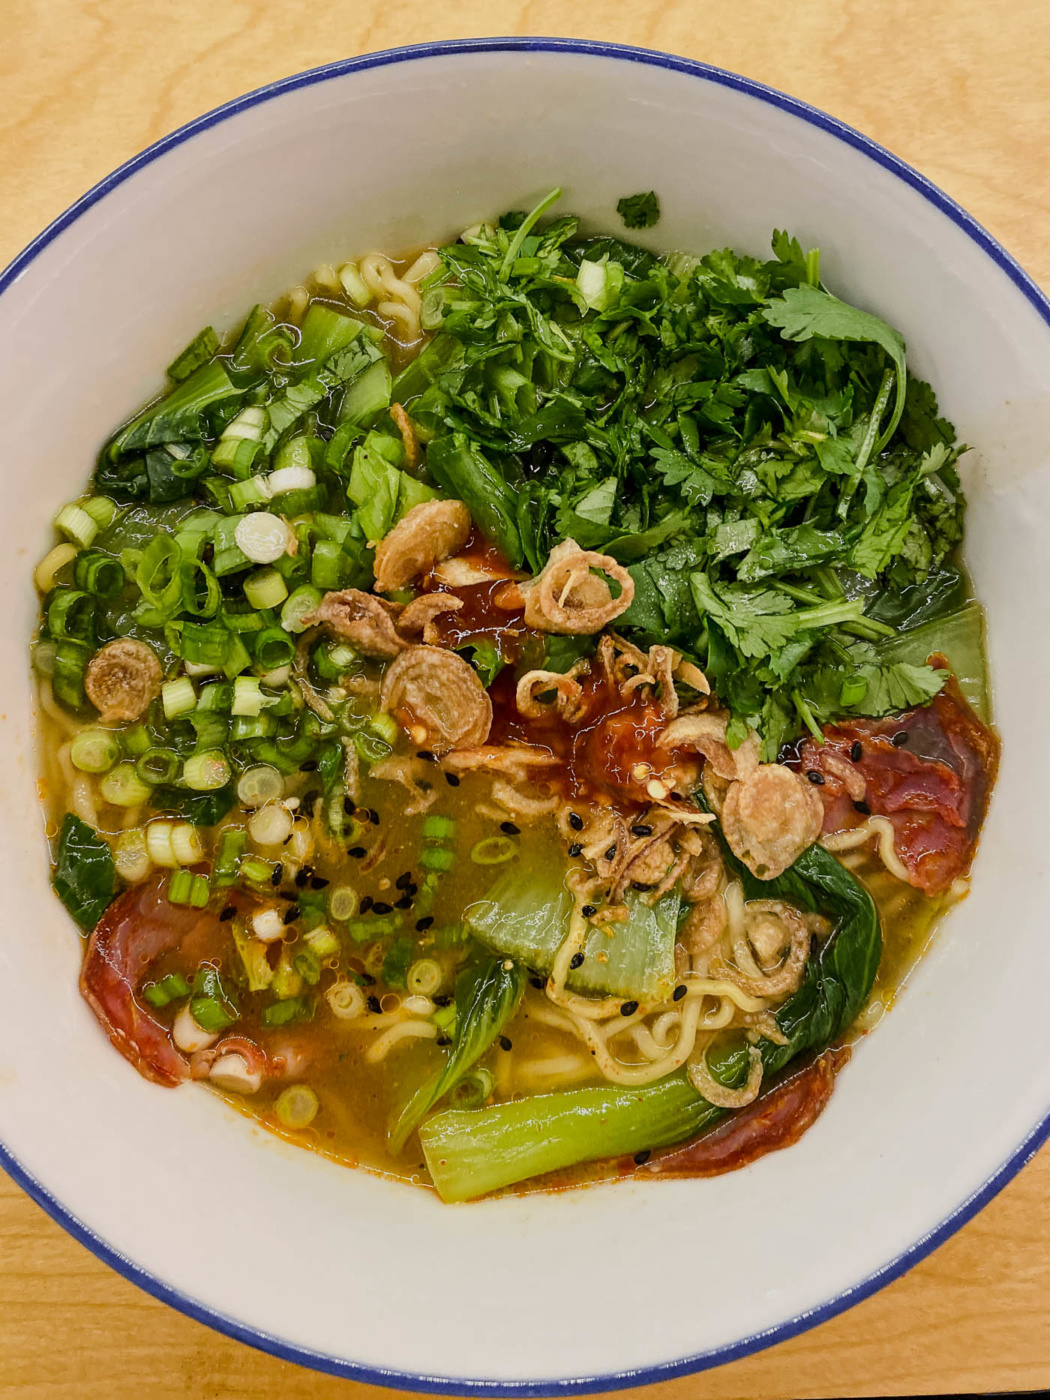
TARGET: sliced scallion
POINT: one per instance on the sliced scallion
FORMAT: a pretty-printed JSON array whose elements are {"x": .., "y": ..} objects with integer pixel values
[
  {"x": 247, "y": 696},
  {"x": 263, "y": 538},
  {"x": 186, "y": 843},
  {"x": 297, "y": 1106},
  {"x": 102, "y": 510},
  {"x": 343, "y": 902},
  {"x": 158, "y": 843},
  {"x": 157, "y": 766},
  {"x": 273, "y": 648},
  {"x": 437, "y": 828},
  {"x": 437, "y": 858},
  {"x": 206, "y": 772},
  {"x": 298, "y": 605},
  {"x": 258, "y": 785},
  {"x": 94, "y": 750},
  {"x": 265, "y": 589},
  {"x": 77, "y": 524},
  {"x": 180, "y": 887},
  {"x": 131, "y": 857},
  {"x": 178, "y": 697},
  {"x": 232, "y": 845},
  {"x": 271, "y": 825},
  {"x": 122, "y": 787},
  {"x": 99, "y": 574}
]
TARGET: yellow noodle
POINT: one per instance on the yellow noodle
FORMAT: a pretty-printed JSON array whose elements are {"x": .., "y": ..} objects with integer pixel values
[{"x": 405, "y": 1030}]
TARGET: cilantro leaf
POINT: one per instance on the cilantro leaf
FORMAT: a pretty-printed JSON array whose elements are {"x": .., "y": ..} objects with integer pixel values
[
  {"x": 639, "y": 210},
  {"x": 804, "y": 312}
]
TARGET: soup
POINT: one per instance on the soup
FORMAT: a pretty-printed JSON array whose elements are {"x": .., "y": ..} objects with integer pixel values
[{"x": 512, "y": 715}]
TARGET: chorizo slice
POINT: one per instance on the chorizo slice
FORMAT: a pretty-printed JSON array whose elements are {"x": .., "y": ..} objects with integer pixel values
[
  {"x": 441, "y": 694},
  {"x": 429, "y": 533},
  {"x": 770, "y": 817},
  {"x": 137, "y": 928},
  {"x": 570, "y": 594},
  {"x": 365, "y": 621},
  {"x": 122, "y": 679},
  {"x": 776, "y": 1120}
]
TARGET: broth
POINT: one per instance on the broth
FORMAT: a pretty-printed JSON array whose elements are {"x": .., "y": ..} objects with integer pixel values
[{"x": 375, "y": 853}]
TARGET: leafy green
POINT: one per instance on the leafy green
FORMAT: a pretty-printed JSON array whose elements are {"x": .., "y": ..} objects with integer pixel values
[
  {"x": 525, "y": 915},
  {"x": 84, "y": 876},
  {"x": 487, "y": 995},
  {"x": 747, "y": 444},
  {"x": 471, "y": 1152},
  {"x": 804, "y": 312},
  {"x": 639, "y": 210}
]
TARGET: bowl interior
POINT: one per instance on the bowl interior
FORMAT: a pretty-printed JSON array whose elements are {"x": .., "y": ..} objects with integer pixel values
[{"x": 623, "y": 1282}]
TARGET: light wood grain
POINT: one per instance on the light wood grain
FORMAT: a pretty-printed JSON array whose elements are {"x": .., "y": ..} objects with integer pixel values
[{"x": 958, "y": 88}]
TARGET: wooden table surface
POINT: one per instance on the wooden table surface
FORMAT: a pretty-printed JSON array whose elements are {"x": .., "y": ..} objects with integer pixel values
[{"x": 956, "y": 87}]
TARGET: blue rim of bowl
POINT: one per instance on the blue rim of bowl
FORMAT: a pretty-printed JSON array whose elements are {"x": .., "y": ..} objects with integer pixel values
[{"x": 716, "y": 1356}]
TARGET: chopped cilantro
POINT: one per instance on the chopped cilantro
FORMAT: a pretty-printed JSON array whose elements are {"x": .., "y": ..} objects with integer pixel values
[
  {"x": 747, "y": 444},
  {"x": 639, "y": 210}
]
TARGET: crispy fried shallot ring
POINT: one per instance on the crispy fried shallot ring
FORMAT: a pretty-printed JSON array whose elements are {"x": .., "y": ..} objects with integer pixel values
[
  {"x": 566, "y": 596},
  {"x": 430, "y": 532}
]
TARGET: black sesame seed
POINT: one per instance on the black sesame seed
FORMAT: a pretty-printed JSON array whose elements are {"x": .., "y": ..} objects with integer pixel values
[
  {"x": 628, "y": 1008},
  {"x": 576, "y": 961},
  {"x": 863, "y": 808},
  {"x": 899, "y": 739},
  {"x": 505, "y": 1042},
  {"x": 404, "y": 880},
  {"x": 366, "y": 903},
  {"x": 301, "y": 878},
  {"x": 373, "y": 1005},
  {"x": 308, "y": 802},
  {"x": 318, "y": 882},
  {"x": 423, "y": 924},
  {"x": 640, "y": 829},
  {"x": 357, "y": 852},
  {"x": 610, "y": 854},
  {"x": 576, "y": 849},
  {"x": 678, "y": 993},
  {"x": 227, "y": 913},
  {"x": 412, "y": 889},
  {"x": 443, "y": 1040},
  {"x": 588, "y": 910},
  {"x": 640, "y": 1158},
  {"x": 373, "y": 816},
  {"x": 452, "y": 779},
  {"x": 381, "y": 907},
  {"x": 426, "y": 755},
  {"x": 309, "y": 765},
  {"x": 817, "y": 779},
  {"x": 366, "y": 979},
  {"x": 442, "y": 999},
  {"x": 276, "y": 877},
  {"x": 509, "y": 829},
  {"x": 348, "y": 806},
  {"x": 575, "y": 821},
  {"x": 405, "y": 902},
  {"x": 537, "y": 982},
  {"x": 856, "y": 752},
  {"x": 291, "y": 914}
]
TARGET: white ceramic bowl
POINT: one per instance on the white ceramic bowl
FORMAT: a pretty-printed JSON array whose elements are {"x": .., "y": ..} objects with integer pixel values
[{"x": 604, "y": 1287}]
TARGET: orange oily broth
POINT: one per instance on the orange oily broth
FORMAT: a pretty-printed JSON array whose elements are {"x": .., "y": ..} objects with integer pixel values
[{"x": 357, "y": 1097}]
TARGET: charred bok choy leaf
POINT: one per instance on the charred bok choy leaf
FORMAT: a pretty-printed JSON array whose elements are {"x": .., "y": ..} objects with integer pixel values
[
  {"x": 487, "y": 995},
  {"x": 472, "y": 1152}
]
